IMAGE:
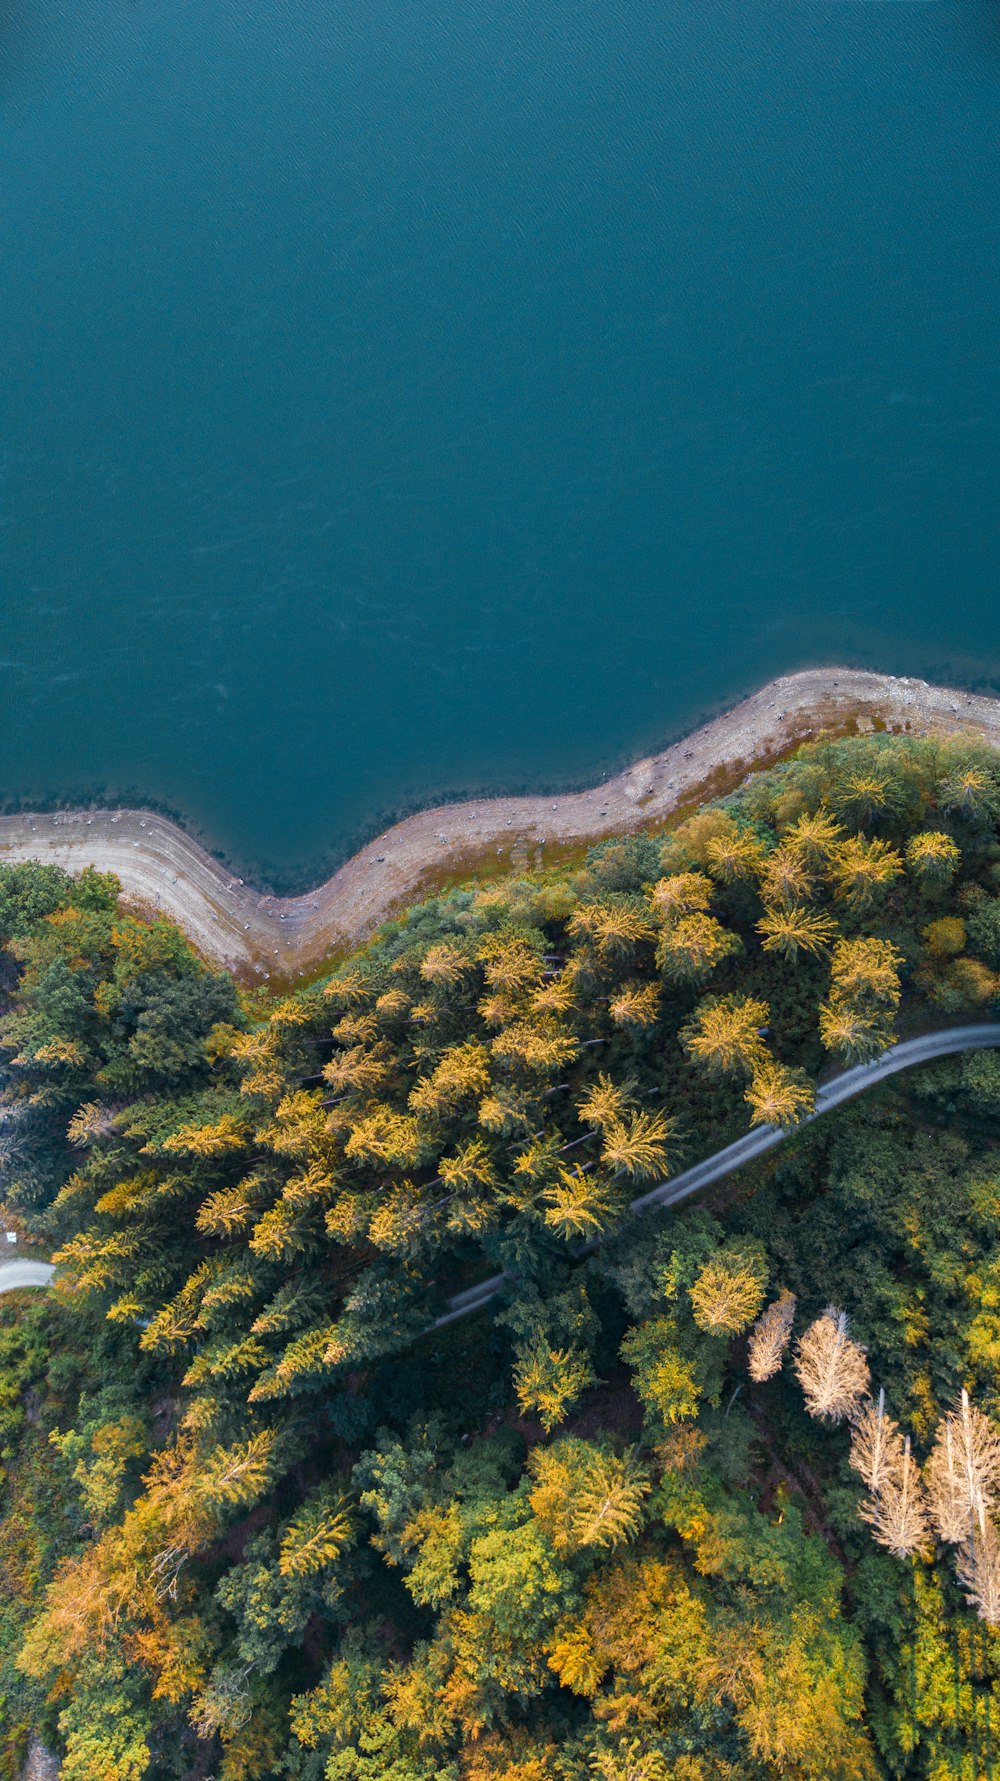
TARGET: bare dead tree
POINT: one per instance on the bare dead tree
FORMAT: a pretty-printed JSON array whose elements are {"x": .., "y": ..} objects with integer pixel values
[
  {"x": 832, "y": 1370},
  {"x": 896, "y": 1506},
  {"x": 876, "y": 1444},
  {"x": 978, "y": 1565},
  {"x": 769, "y": 1337},
  {"x": 963, "y": 1471},
  {"x": 898, "y": 1514},
  {"x": 960, "y": 1488},
  {"x": 947, "y": 1486}
]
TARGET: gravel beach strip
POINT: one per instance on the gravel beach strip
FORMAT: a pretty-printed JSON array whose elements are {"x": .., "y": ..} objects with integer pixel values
[{"x": 235, "y": 925}]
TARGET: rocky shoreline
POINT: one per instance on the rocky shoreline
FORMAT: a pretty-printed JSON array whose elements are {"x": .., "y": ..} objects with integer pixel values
[{"x": 255, "y": 935}]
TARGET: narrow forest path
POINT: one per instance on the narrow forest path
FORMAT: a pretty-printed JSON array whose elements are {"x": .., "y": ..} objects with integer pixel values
[
  {"x": 248, "y": 931},
  {"x": 845, "y": 1087}
]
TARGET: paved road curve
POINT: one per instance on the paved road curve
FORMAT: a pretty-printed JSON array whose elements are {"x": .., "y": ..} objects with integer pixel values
[
  {"x": 756, "y": 1143},
  {"x": 15, "y": 1274}
]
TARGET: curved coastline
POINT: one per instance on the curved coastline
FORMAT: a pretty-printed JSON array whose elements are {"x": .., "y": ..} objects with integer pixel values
[{"x": 255, "y": 935}]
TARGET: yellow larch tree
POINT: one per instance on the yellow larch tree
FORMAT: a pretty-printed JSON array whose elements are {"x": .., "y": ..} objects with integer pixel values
[
  {"x": 861, "y": 870},
  {"x": 511, "y": 965},
  {"x": 470, "y": 1167},
  {"x": 736, "y": 858},
  {"x": 813, "y": 836},
  {"x": 725, "y": 1035},
  {"x": 557, "y": 995},
  {"x": 445, "y": 965},
  {"x": 641, "y": 1146},
  {"x": 359, "y": 1027},
  {"x": 605, "y": 1104},
  {"x": 584, "y": 1496},
  {"x": 361, "y": 1069},
  {"x": 794, "y": 929},
  {"x": 862, "y": 797},
  {"x": 384, "y": 1136},
  {"x": 933, "y": 858},
  {"x": 692, "y": 948},
  {"x": 541, "y": 1045},
  {"x": 969, "y": 791},
  {"x": 686, "y": 893},
  {"x": 853, "y": 1036},
  {"x": 460, "y": 1073},
  {"x": 548, "y": 1381},
  {"x": 856, "y": 1020},
  {"x": 580, "y": 1203},
  {"x": 729, "y": 1291},
  {"x": 635, "y": 1005},
  {"x": 786, "y": 878},
  {"x": 317, "y": 1536},
  {"x": 778, "y": 1095},
  {"x": 616, "y": 930}
]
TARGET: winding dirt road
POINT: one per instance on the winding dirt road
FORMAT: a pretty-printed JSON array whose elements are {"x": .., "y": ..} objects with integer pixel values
[{"x": 256, "y": 935}]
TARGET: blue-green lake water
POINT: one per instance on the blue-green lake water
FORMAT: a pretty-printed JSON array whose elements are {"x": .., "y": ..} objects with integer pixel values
[{"x": 404, "y": 399}]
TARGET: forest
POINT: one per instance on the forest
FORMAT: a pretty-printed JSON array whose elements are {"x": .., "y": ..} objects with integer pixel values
[{"x": 710, "y": 1494}]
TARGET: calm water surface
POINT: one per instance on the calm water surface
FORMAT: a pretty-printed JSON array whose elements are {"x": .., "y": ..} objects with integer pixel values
[{"x": 405, "y": 398}]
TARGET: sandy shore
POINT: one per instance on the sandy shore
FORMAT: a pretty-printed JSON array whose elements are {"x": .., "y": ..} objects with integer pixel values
[{"x": 233, "y": 924}]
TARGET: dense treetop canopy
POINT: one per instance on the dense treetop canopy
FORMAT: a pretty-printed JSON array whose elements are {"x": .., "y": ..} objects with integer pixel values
[{"x": 260, "y": 1521}]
